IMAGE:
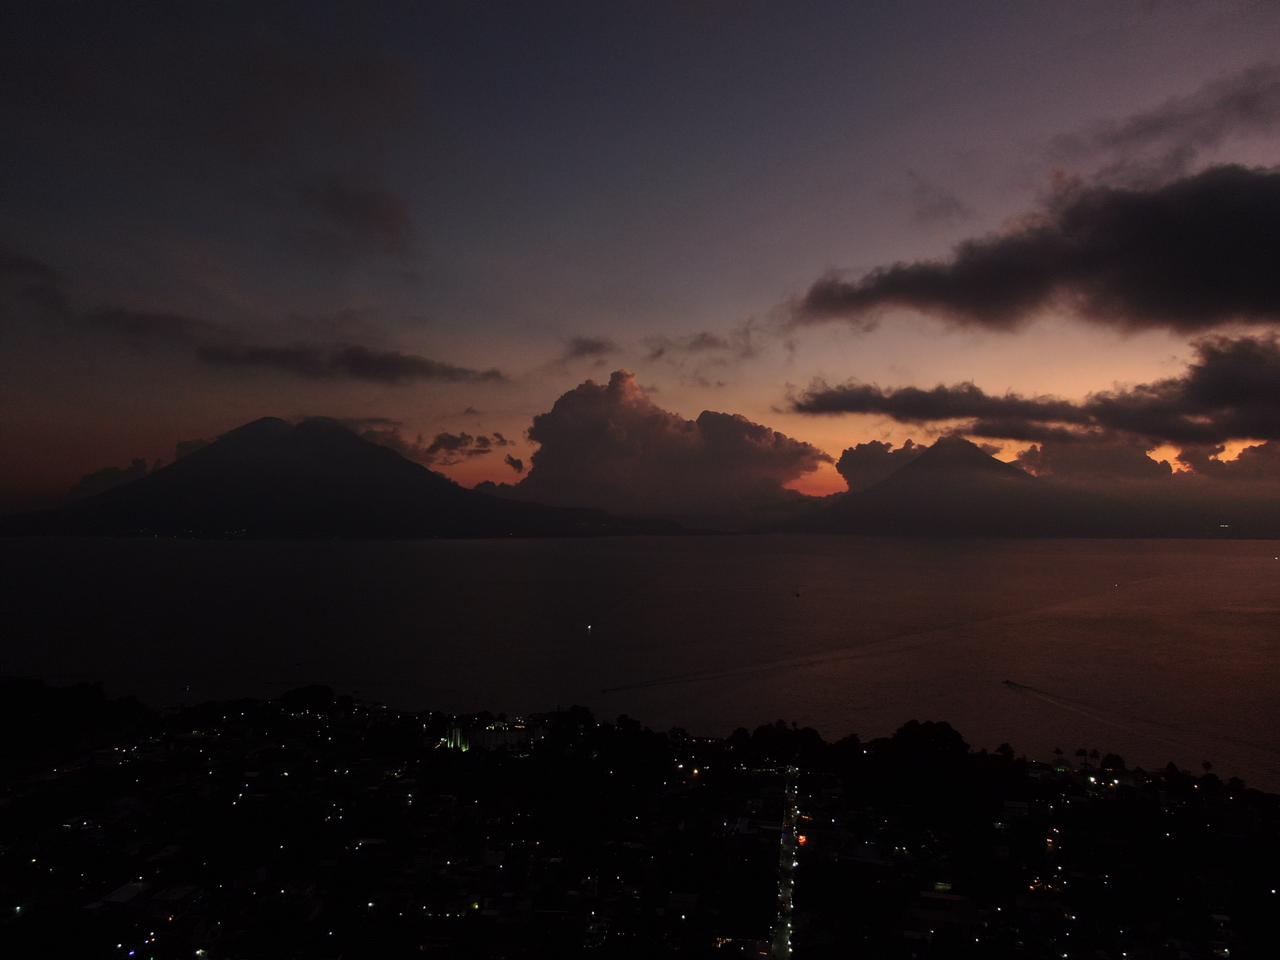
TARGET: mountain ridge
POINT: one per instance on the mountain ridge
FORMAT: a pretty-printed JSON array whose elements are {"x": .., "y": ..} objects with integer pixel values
[
  {"x": 315, "y": 478},
  {"x": 956, "y": 489},
  {"x": 270, "y": 478}
]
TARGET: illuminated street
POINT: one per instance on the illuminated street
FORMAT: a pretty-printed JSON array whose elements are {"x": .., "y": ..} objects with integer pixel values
[{"x": 788, "y": 848}]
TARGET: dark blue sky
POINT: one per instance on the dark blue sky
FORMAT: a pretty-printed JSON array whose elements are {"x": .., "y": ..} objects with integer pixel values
[{"x": 224, "y": 193}]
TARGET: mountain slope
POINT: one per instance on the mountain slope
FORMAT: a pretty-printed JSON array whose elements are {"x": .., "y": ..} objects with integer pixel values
[
  {"x": 956, "y": 489},
  {"x": 271, "y": 478}
]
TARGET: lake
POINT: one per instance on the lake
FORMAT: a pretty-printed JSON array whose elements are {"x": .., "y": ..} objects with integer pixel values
[{"x": 1159, "y": 650}]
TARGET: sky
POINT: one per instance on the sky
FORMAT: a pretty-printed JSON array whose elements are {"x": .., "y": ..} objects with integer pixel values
[{"x": 435, "y": 221}]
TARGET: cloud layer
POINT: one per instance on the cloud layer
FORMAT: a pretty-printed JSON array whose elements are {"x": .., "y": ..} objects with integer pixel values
[
  {"x": 1230, "y": 391},
  {"x": 1191, "y": 255},
  {"x": 445, "y": 449},
  {"x": 41, "y": 295},
  {"x": 349, "y": 362}
]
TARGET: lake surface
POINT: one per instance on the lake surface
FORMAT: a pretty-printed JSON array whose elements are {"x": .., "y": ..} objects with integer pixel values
[{"x": 1159, "y": 650}]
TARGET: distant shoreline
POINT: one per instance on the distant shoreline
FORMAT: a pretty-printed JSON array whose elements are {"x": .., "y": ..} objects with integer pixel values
[{"x": 94, "y": 690}]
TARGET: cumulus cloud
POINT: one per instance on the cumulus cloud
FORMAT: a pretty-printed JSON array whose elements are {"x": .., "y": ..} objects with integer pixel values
[
  {"x": 1189, "y": 256},
  {"x": 1258, "y": 462},
  {"x": 866, "y": 464},
  {"x": 515, "y": 463},
  {"x": 1231, "y": 390},
  {"x": 610, "y": 446},
  {"x": 351, "y": 362}
]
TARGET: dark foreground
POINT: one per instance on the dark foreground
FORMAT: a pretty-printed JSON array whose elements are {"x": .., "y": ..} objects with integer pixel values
[{"x": 319, "y": 826}]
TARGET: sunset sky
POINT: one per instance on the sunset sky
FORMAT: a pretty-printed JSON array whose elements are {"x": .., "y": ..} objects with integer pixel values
[{"x": 441, "y": 218}]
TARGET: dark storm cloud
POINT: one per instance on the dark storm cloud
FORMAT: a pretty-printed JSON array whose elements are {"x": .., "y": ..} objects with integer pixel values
[
  {"x": 364, "y": 216},
  {"x": 610, "y": 446},
  {"x": 1166, "y": 141},
  {"x": 515, "y": 463},
  {"x": 1240, "y": 375},
  {"x": 1231, "y": 390},
  {"x": 1188, "y": 256},
  {"x": 1259, "y": 462},
  {"x": 342, "y": 362},
  {"x": 1013, "y": 428},
  {"x": 866, "y": 464},
  {"x": 916, "y": 405}
]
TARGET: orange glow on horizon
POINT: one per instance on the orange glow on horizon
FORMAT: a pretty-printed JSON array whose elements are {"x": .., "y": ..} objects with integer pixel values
[{"x": 821, "y": 483}]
